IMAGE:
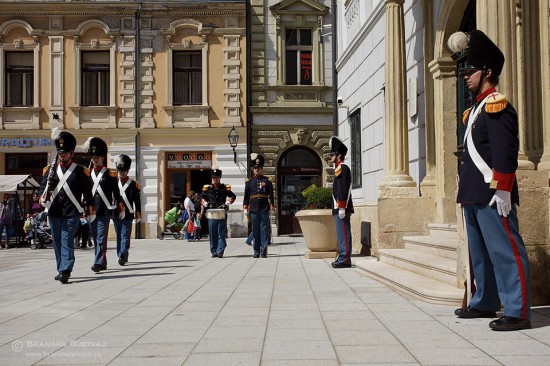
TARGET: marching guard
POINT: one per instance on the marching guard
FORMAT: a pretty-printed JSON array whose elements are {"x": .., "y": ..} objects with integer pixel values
[
  {"x": 130, "y": 194},
  {"x": 63, "y": 186},
  {"x": 258, "y": 200},
  {"x": 106, "y": 197},
  {"x": 215, "y": 198}
]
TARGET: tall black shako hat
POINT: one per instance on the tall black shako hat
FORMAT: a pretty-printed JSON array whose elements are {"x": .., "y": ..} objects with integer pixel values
[
  {"x": 123, "y": 163},
  {"x": 337, "y": 146},
  {"x": 256, "y": 160},
  {"x": 95, "y": 146},
  {"x": 480, "y": 51},
  {"x": 216, "y": 172},
  {"x": 64, "y": 141}
]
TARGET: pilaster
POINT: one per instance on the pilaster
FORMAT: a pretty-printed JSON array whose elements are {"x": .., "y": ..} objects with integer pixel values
[
  {"x": 544, "y": 28},
  {"x": 397, "y": 179}
]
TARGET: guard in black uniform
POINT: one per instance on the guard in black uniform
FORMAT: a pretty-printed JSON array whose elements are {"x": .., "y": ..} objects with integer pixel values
[
  {"x": 258, "y": 201},
  {"x": 488, "y": 190},
  {"x": 214, "y": 197},
  {"x": 130, "y": 194},
  {"x": 63, "y": 186},
  {"x": 106, "y": 197},
  {"x": 343, "y": 204}
]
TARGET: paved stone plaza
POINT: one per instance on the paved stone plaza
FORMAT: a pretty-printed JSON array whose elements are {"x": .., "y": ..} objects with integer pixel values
[{"x": 174, "y": 305}]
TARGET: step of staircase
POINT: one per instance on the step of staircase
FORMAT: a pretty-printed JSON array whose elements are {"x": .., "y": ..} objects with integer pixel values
[
  {"x": 443, "y": 247},
  {"x": 428, "y": 265},
  {"x": 443, "y": 231},
  {"x": 421, "y": 287}
]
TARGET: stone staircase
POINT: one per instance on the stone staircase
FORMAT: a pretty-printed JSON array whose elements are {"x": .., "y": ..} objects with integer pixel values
[{"x": 425, "y": 269}]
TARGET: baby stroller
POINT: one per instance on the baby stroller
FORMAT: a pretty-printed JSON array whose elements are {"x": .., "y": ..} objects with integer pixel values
[
  {"x": 40, "y": 234},
  {"x": 172, "y": 224}
]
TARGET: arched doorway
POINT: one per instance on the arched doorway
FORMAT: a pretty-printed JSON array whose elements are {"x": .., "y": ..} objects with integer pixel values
[{"x": 299, "y": 167}]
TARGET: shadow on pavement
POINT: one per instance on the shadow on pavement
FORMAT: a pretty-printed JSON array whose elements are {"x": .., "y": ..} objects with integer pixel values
[{"x": 100, "y": 277}]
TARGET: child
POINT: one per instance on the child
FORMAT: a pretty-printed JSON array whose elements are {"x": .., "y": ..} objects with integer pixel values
[{"x": 196, "y": 228}]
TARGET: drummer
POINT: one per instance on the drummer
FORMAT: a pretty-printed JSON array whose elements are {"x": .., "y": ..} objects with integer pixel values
[{"x": 215, "y": 198}]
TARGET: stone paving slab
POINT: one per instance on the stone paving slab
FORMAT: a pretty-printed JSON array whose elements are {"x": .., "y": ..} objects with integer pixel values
[{"x": 174, "y": 305}]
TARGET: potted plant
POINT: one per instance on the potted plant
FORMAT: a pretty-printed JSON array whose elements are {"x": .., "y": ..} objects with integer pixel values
[{"x": 317, "y": 224}]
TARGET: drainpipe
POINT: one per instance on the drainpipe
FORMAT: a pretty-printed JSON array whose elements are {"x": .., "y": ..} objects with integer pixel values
[
  {"x": 137, "y": 101},
  {"x": 248, "y": 90},
  {"x": 334, "y": 72}
]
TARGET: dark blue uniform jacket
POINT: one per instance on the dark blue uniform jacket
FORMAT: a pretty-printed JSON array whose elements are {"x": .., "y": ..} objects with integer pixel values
[
  {"x": 341, "y": 188},
  {"x": 133, "y": 193},
  {"x": 258, "y": 194},
  {"x": 109, "y": 184}
]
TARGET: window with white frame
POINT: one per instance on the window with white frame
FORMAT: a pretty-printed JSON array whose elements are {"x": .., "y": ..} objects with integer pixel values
[
  {"x": 19, "y": 71},
  {"x": 95, "y": 85},
  {"x": 298, "y": 56},
  {"x": 187, "y": 79},
  {"x": 355, "y": 153}
]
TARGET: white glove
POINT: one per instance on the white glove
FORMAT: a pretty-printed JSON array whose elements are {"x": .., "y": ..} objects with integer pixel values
[
  {"x": 228, "y": 201},
  {"x": 503, "y": 201},
  {"x": 342, "y": 213},
  {"x": 137, "y": 221},
  {"x": 205, "y": 204},
  {"x": 245, "y": 211},
  {"x": 90, "y": 218},
  {"x": 121, "y": 215}
]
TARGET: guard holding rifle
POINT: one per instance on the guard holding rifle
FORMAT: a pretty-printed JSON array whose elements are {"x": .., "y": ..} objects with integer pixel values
[
  {"x": 216, "y": 198},
  {"x": 488, "y": 190},
  {"x": 106, "y": 198},
  {"x": 258, "y": 200},
  {"x": 63, "y": 186},
  {"x": 130, "y": 194}
]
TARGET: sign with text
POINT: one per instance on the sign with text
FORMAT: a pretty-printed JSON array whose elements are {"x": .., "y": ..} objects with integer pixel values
[
  {"x": 190, "y": 160},
  {"x": 25, "y": 141},
  {"x": 305, "y": 67}
]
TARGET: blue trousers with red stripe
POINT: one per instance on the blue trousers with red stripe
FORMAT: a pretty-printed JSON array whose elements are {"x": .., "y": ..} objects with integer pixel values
[
  {"x": 100, "y": 232},
  {"x": 499, "y": 260},
  {"x": 343, "y": 236}
]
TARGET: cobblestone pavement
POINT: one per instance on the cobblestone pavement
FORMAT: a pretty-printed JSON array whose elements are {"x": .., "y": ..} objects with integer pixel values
[{"x": 174, "y": 305}]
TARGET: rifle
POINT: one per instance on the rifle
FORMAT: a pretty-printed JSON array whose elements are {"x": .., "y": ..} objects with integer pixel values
[{"x": 46, "y": 195}]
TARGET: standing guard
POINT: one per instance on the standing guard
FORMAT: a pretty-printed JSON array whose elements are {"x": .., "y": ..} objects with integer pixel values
[
  {"x": 258, "y": 200},
  {"x": 63, "y": 186},
  {"x": 130, "y": 194},
  {"x": 343, "y": 204},
  {"x": 216, "y": 198},
  {"x": 106, "y": 197}
]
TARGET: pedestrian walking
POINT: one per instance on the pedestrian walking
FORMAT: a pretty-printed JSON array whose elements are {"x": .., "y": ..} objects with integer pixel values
[
  {"x": 64, "y": 185},
  {"x": 130, "y": 191},
  {"x": 106, "y": 198},
  {"x": 488, "y": 190},
  {"x": 258, "y": 201},
  {"x": 189, "y": 214},
  {"x": 6, "y": 218},
  {"x": 343, "y": 204},
  {"x": 216, "y": 198}
]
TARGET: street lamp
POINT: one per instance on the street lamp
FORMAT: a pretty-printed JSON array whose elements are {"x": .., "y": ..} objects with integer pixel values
[{"x": 233, "y": 141}]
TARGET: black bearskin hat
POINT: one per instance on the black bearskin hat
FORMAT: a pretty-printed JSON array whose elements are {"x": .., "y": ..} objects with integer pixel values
[
  {"x": 64, "y": 141},
  {"x": 256, "y": 160},
  {"x": 480, "y": 51},
  {"x": 123, "y": 163},
  {"x": 337, "y": 146},
  {"x": 216, "y": 172},
  {"x": 95, "y": 146}
]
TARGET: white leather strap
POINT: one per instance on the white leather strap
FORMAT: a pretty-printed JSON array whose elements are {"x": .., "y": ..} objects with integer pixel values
[
  {"x": 63, "y": 184},
  {"x": 97, "y": 188},
  {"x": 474, "y": 154},
  {"x": 122, "y": 188}
]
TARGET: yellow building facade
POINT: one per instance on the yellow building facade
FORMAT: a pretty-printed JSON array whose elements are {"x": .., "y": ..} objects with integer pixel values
[{"x": 163, "y": 82}]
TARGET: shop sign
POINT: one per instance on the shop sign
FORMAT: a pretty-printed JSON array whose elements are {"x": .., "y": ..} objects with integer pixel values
[
  {"x": 188, "y": 160},
  {"x": 25, "y": 142}
]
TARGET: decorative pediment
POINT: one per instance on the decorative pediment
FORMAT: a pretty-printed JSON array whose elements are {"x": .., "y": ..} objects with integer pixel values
[{"x": 310, "y": 7}]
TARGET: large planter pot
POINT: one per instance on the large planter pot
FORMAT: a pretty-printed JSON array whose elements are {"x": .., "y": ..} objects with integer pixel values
[{"x": 319, "y": 232}]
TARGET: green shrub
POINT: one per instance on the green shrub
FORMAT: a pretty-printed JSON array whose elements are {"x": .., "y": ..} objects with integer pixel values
[{"x": 319, "y": 198}]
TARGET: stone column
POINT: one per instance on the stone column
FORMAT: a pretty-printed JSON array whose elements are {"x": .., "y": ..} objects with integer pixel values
[
  {"x": 443, "y": 70},
  {"x": 544, "y": 12},
  {"x": 502, "y": 21},
  {"x": 429, "y": 182},
  {"x": 397, "y": 180}
]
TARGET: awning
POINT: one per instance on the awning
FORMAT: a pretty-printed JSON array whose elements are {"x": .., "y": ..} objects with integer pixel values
[{"x": 20, "y": 183}]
